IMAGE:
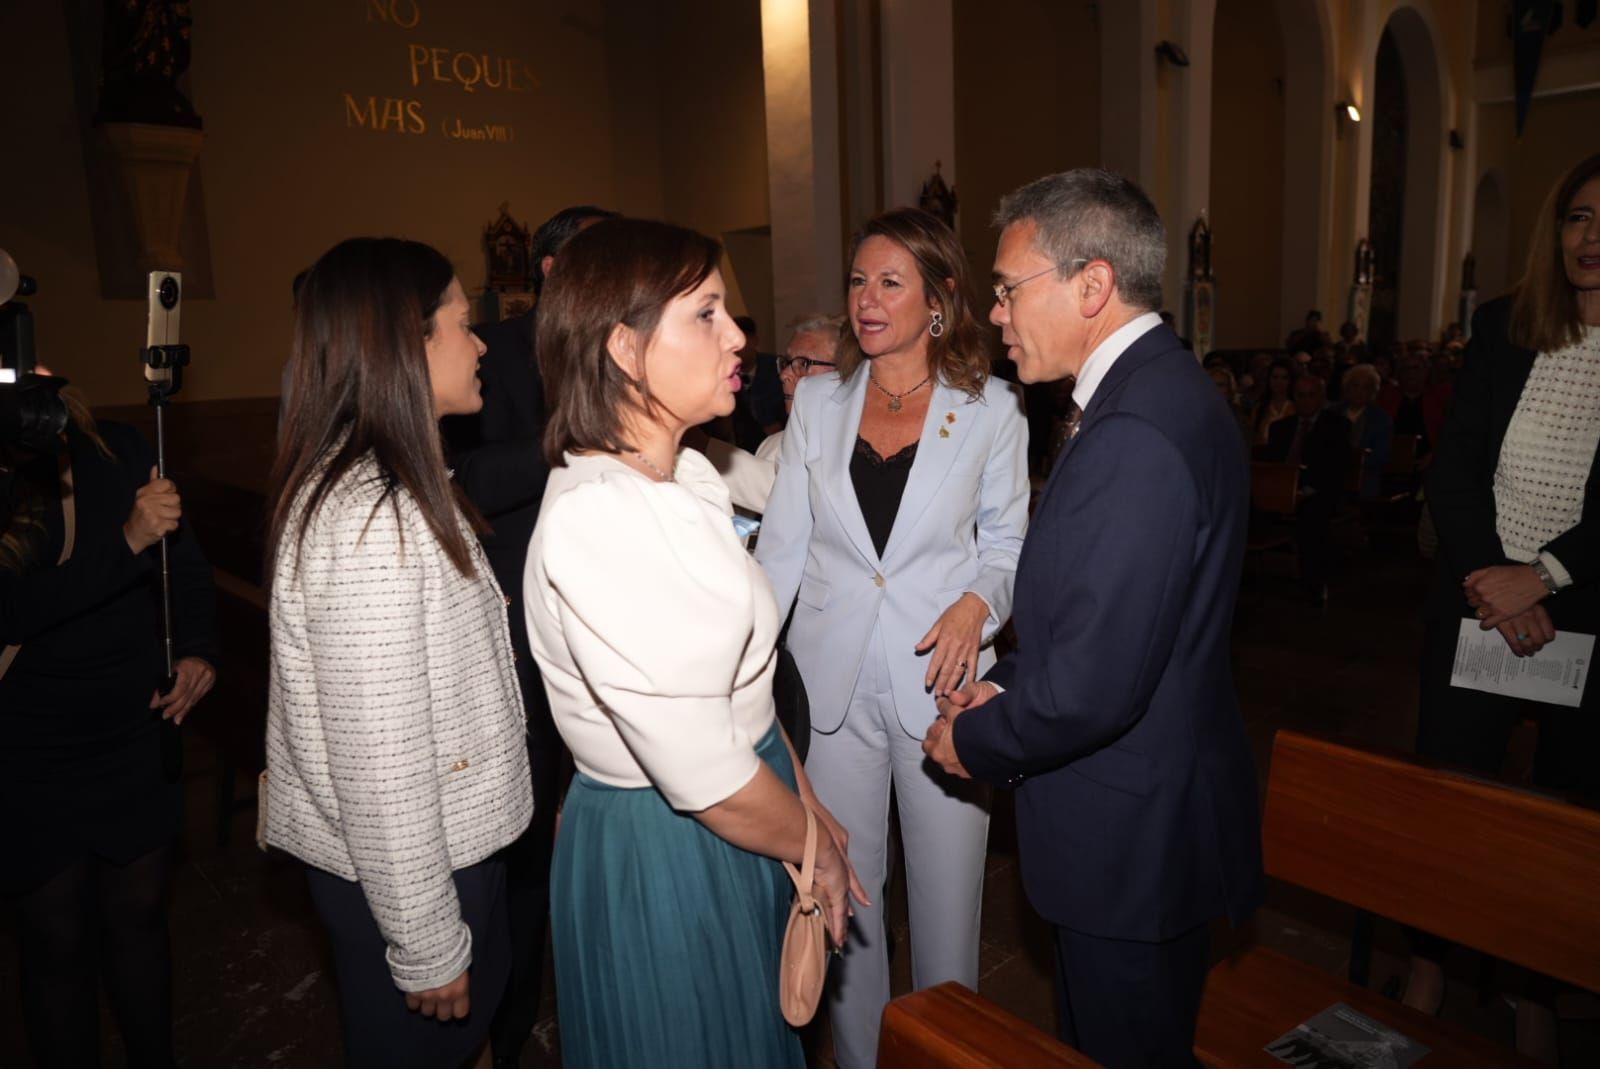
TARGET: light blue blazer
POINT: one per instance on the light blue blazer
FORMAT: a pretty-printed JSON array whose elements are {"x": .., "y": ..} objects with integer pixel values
[{"x": 959, "y": 528}]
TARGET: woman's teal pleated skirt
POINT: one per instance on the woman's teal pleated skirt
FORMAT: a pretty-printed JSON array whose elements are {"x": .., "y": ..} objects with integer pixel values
[{"x": 666, "y": 937}]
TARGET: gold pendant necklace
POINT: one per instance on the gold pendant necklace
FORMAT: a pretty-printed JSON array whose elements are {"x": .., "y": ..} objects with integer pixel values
[{"x": 894, "y": 398}]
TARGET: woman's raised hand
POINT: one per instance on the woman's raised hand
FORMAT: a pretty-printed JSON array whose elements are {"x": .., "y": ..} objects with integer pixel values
[{"x": 156, "y": 511}]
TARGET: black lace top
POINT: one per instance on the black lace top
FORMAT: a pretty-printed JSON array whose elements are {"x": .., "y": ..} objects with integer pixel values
[{"x": 880, "y": 482}]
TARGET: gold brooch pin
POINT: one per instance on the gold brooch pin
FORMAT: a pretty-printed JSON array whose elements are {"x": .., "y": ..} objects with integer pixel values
[
  {"x": 949, "y": 417},
  {"x": 944, "y": 432}
]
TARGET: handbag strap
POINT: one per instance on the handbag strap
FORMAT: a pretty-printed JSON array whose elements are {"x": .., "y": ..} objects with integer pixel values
[
  {"x": 69, "y": 536},
  {"x": 804, "y": 876}
]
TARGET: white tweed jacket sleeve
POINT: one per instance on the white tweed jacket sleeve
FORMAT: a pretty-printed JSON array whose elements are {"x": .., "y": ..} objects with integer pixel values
[{"x": 395, "y": 740}]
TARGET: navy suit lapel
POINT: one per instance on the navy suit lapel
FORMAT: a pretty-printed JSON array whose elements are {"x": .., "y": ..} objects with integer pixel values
[{"x": 1145, "y": 348}]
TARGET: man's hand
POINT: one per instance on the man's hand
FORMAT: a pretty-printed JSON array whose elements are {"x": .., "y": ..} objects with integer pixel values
[
  {"x": 940, "y": 743},
  {"x": 442, "y": 1003},
  {"x": 195, "y": 678}
]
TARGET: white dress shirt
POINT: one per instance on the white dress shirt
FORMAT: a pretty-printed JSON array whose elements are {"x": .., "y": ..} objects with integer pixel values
[
  {"x": 1107, "y": 353},
  {"x": 653, "y": 628}
]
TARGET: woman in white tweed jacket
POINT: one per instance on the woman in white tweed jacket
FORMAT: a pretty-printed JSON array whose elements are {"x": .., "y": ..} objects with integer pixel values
[{"x": 395, "y": 753}]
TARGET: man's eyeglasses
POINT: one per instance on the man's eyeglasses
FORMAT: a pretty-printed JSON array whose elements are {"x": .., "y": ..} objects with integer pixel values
[
  {"x": 802, "y": 364},
  {"x": 1003, "y": 290}
]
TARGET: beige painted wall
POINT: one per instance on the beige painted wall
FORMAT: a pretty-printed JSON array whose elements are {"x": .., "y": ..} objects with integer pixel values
[
  {"x": 1552, "y": 141},
  {"x": 1247, "y": 164},
  {"x": 1028, "y": 75},
  {"x": 286, "y": 172}
]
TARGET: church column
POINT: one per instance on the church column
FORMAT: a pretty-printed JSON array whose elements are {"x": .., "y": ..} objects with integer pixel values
[
  {"x": 919, "y": 109},
  {"x": 1189, "y": 194},
  {"x": 799, "y": 49}
]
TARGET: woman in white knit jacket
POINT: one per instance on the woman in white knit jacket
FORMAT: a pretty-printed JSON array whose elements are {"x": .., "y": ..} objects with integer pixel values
[{"x": 395, "y": 754}]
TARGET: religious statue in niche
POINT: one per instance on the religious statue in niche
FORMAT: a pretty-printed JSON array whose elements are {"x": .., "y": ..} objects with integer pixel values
[
  {"x": 509, "y": 247},
  {"x": 144, "y": 51},
  {"x": 1366, "y": 262},
  {"x": 1200, "y": 298},
  {"x": 937, "y": 198},
  {"x": 1200, "y": 250}
]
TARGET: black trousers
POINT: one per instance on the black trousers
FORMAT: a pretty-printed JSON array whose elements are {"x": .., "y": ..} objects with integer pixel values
[
  {"x": 1131, "y": 1005},
  {"x": 94, "y": 921},
  {"x": 527, "y": 862},
  {"x": 380, "y": 1032}
]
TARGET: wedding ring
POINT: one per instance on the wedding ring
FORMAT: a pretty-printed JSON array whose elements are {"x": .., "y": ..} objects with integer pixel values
[
  {"x": 1521, "y": 637},
  {"x": 1482, "y": 612}
]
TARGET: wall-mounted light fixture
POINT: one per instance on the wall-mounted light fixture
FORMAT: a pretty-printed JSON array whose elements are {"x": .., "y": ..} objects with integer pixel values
[
  {"x": 1347, "y": 109},
  {"x": 1172, "y": 53}
]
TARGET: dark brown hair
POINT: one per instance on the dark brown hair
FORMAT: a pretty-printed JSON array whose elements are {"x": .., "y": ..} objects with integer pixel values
[
  {"x": 1544, "y": 306},
  {"x": 958, "y": 358},
  {"x": 19, "y": 539},
  {"x": 618, "y": 271},
  {"x": 358, "y": 384}
]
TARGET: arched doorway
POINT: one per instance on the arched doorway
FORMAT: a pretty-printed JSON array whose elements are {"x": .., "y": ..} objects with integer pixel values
[
  {"x": 1491, "y": 238},
  {"x": 1407, "y": 205}
]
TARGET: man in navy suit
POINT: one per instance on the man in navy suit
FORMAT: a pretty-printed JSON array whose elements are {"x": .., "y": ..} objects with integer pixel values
[{"x": 1115, "y": 719}]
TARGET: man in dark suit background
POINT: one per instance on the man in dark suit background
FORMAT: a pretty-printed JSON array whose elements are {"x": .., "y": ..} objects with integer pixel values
[
  {"x": 1115, "y": 719},
  {"x": 498, "y": 460},
  {"x": 1318, "y": 439}
]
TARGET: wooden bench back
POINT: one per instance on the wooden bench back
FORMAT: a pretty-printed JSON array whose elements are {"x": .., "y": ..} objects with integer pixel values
[
  {"x": 1502, "y": 870},
  {"x": 953, "y": 1027},
  {"x": 1274, "y": 487}
]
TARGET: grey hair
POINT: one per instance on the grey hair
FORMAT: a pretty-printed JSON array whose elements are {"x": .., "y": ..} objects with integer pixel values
[
  {"x": 1367, "y": 372},
  {"x": 1092, "y": 214},
  {"x": 817, "y": 323}
]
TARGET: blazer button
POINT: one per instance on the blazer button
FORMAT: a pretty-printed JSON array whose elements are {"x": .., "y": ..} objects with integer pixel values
[
  {"x": 878, "y": 580},
  {"x": 460, "y": 766}
]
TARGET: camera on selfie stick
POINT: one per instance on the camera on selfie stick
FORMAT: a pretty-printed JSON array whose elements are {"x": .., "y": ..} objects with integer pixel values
[
  {"x": 164, "y": 360},
  {"x": 32, "y": 413}
]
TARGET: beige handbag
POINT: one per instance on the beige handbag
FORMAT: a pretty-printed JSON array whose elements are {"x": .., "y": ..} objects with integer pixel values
[{"x": 805, "y": 941}]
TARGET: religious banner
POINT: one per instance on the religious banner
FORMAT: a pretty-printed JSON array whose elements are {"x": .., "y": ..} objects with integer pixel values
[
  {"x": 1360, "y": 310},
  {"x": 1200, "y": 296}
]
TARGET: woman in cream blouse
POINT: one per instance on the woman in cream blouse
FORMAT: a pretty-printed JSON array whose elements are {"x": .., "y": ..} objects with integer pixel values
[{"x": 654, "y": 633}]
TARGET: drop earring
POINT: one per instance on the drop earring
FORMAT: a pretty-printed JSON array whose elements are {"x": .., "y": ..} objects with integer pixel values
[{"x": 936, "y": 324}]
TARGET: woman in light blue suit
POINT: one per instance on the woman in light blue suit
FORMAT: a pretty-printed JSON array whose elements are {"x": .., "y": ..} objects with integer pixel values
[{"x": 893, "y": 530}]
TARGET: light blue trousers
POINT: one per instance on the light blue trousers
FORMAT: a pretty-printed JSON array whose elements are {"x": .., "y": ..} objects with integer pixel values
[{"x": 944, "y": 826}]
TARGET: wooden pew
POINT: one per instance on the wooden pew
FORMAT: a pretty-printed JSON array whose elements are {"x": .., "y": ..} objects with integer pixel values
[
  {"x": 1274, "y": 492},
  {"x": 953, "y": 1027},
  {"x": 1508, "y": 872}
]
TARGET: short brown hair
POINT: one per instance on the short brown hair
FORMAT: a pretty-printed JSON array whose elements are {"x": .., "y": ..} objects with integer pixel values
[
  {"x": 1544, "y": 306},
  {"x": 958, "y": 358},
  {"x": 618, "y": 271}
]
